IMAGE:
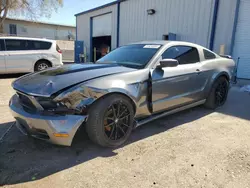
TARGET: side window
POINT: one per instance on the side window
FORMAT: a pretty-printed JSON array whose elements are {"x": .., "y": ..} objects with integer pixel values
[
  {"x": 14, "y": 45},
  {"x": 208, "y": 55},
  {"x": 41, "y": 45},
  {"x": 184, "y": 54},
  {"x": 2, "y": 47}
]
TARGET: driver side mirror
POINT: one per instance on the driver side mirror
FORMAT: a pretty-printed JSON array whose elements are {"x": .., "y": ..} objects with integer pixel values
[{"x": 168, "y": 63}]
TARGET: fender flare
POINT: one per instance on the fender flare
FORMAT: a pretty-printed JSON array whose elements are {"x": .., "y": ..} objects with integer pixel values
[
  {"x": 119, "y": 92},
  {"x": 224, "y": 73},
  {"x": 215, "y": 77}
]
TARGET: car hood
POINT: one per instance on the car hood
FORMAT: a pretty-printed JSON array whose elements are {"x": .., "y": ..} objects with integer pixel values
[{"x": 50, "y": 81}]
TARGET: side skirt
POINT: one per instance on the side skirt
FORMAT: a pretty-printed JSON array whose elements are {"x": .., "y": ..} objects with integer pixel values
[{"x": 154, "y": 117}]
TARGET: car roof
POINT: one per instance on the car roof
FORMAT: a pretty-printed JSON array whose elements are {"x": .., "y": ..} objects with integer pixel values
[
  {"x": 165, "y": 42},
  {"x": 159, "y": 42},
  {"x": 26, "y": 38}
]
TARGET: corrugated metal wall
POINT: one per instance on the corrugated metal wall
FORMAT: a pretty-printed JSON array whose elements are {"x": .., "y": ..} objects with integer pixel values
[
  {"x": 83, "y": 25},
  {"x": 190, "y": 20},
  {"x": 224, "y": 26},
  {"x": 242, "y": 41}
]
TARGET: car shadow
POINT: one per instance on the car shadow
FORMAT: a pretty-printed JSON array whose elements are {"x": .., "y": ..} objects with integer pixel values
[
  {"x": 237, "y": 105},
  {"x": 8, "y": 76},
  {"x": 24, "y": 159}
]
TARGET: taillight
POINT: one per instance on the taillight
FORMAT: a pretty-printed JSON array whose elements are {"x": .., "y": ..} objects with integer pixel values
[{"x": 58, "y": 49}]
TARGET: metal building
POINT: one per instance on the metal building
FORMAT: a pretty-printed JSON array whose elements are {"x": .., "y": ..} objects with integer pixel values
[{"x": 221, "y": 25}]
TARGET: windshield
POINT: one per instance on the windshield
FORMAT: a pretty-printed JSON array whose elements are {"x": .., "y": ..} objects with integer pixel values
[{"x": 133, "y": 56}]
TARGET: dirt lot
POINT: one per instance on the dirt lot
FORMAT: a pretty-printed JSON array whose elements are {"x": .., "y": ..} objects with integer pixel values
[{"x": 194, "y": 148}]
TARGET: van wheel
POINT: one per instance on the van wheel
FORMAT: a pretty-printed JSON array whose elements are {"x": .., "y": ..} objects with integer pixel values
[
  {"x": 218, "y": 94},
  {"x": 42, "y": 65},
  {"x": 110, "y": 121}
]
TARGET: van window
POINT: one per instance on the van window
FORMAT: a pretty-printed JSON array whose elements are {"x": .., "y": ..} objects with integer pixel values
[
  {"x": 41, "y": 45},
  {"x": 14, "y": 45}
]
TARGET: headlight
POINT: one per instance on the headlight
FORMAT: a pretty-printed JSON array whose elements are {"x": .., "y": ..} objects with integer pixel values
[
  {"x": 52, "y": 107},
  {"x": 75, "y": 97},
  {"x": 47, "y": 103},
  {"x": 79, "y": 98}
]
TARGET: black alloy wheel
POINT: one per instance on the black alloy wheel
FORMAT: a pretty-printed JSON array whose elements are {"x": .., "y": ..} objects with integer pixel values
[
  {"x": 117, "y": 121},
  {"x": 221, "y": 93},
  {"x": 218, "y": 94},
  {"x": 110, "y": 120}
]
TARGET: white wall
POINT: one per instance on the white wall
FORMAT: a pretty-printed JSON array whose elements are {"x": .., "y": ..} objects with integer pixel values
[
  {"x": 29, "y": 29},
  {"x": 68, "y": 50}
]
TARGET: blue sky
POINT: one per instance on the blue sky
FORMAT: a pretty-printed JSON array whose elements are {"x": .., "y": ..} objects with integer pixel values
[{"x": 65, "y": 15}]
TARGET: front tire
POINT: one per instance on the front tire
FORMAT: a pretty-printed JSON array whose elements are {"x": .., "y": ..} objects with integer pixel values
[
  {"x": 218, "y": 94},
  {"x": 110, "y": 121}
]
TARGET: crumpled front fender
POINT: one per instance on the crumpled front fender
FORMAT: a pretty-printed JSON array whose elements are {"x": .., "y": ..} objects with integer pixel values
[
  {"x": 83, "y": 96},
  {"x": 134, "y": 85},
  {"x": 80, "y": 96}
]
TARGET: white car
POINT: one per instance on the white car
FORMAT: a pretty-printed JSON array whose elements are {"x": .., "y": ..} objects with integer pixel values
[{"x": 21, "y": 55}]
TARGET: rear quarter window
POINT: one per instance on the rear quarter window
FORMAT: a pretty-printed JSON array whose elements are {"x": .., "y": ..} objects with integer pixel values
[{"x": 208, "y": 55}]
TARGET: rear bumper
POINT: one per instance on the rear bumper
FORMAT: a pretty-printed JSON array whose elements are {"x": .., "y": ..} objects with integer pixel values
[
  {"x": 55, "y": 129},
  {"x": 57, "y": 64},
  {"x": 57, "y": 61}
]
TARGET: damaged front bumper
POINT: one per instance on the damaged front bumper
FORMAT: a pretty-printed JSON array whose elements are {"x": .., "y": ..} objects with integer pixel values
[{"x": 57, "y": 129}]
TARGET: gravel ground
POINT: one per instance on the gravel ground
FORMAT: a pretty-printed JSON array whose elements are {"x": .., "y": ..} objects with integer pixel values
[{"x": 194, "y": 148}]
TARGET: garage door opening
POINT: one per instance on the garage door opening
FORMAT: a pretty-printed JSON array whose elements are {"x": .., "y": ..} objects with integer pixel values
[
  {"x": 101, "y": 46},
  {"x": 101, "y": 36}
]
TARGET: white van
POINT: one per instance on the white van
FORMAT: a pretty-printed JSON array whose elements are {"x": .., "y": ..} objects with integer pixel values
[{"x": 21, "y": 55}]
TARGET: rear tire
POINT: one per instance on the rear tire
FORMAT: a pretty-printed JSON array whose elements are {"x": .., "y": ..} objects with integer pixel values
[
  {"x": 42, "y": 65},
  {"x": 110, "y": 121},
  {"x": 218, "y": 94}
]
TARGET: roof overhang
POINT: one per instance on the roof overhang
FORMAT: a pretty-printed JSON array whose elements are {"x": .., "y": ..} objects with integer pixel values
[{"x": 100, "y": 7}]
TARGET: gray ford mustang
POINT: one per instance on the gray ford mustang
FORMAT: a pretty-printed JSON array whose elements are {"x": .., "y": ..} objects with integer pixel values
[{"x": 128, "y": 87}]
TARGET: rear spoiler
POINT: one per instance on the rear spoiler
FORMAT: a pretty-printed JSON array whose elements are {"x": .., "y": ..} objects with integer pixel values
[{"x": 226, "y": 56}]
